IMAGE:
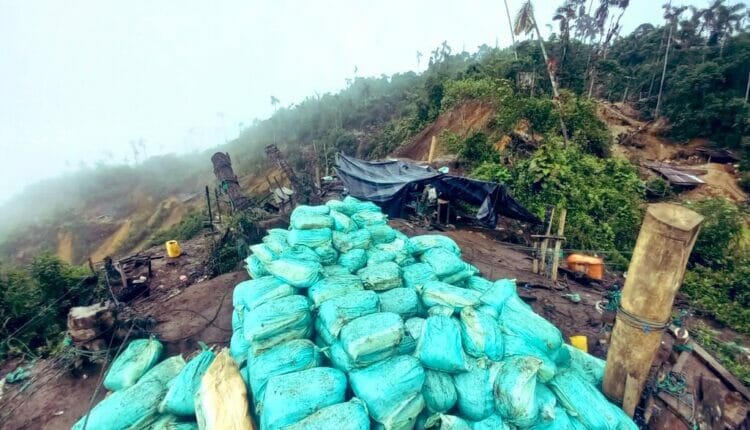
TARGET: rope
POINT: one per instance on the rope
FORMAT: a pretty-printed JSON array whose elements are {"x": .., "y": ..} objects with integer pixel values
[
  {"x": 639, "y": 322},
  {"x": 674, "y": 383}
]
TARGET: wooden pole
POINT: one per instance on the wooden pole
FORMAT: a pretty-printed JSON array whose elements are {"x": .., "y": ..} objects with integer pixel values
[
  {"x": 545, "y": 241},
  {"x": 655, "y": 273},
  {"x": 535, "y": 260},
  {"x": 208, "y": 205},
  {"x": 558, "y": 244},
  {"x": 433, "y": 144}
]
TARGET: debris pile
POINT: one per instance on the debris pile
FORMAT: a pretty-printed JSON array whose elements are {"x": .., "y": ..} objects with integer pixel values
[{"x": 348, "y": 322}]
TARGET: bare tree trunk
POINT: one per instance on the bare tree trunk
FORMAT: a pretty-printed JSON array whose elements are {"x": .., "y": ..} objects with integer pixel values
[
  {"x": 553, "y": 82},
  {"x": 747, "y": 90},
  {"x": 663, "y": 72},
  {"x": 510, "y": 26}
]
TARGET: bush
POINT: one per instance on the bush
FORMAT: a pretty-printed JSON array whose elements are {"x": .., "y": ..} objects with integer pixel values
[
  {"x": 720, "y": 234},
  {"x": 487, "y": 89},
  {"x": 190, "y": 225}
]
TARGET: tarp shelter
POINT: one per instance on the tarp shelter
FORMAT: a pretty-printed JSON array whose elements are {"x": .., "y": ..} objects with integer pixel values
[{"x": 391, "y": 183}]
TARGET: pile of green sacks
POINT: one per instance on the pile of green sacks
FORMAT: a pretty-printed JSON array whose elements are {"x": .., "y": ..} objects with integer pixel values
[
  {"x": 149, "y": 392},
  {"x": 349, "y": 324}
]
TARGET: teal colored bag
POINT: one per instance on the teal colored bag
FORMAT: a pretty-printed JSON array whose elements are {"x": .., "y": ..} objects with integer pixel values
[
  {"x": 443, "y": 262},
  {"x": 276, "y": 317},
  {"x": 478, "y": 283},
  {"x": 342, "y": 223},
  {"x": 420, "y": 244},
  {"x": 264, "y": 253},
  {"x": 334, "y": 286},
  {"x": 328, "y": 255},
  {"x": 335, "y": 313},
  {"x": 353, "y": 260},
  {"x": 312, "y": 238},
  {"x": 253, "y": 293},
  {"x": 345, "y": 242},
  {"x": 461, "y": 276},
  {"x": 300, "y": 252},
  {"x": 307, "y": 221},
  {"x": 255, "y": 268},
  {"x": 498, "y": 293},
  {"x": 475, "y": 389},
  {"x": 128, "y": 367},
  {"x": 351, "y": 415},
  {"x": 481, "y": 335},
  {"x": 371, "y": 334},
  {"x": 438, "y": 391},
  {"x": 493, "y": 422},
  {"x": 515, "y": 390},
  {"x": 291, "y": 397},
  {"x": 376, "y": 256},
  {"x": 365, "y": 219},
  {"x": 335, "y": 270},
  {"x": 381, "y": 233},
  {"x": 292, "y": 356},
  {"x": 516, "y": 346},
  {"x": 402, "y": 301},
  {"x": 169, "y": 422},
  {"x": 381, "y": 277},
  {"x": 180, "y": 399},
  {"x": 436, "y": 293},
  {"x": 518, "y": 318},
  {"x": 297, "y": 273},
  {"x": 239, "y": 348},
  {"x": 588, "y": 367},
  {"x": 417, "y": 275},
  {"x": 439, "y": 345}
]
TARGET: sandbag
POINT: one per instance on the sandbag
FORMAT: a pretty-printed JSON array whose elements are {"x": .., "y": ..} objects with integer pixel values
[
  {"x": 420, "y": 244},
  {"x": 376, "y": 256},
  {"x": 351, "y": 415},
  {"x": 255, "y": 268},
  {"x": 335, "y": 270},
  {"x": 381, "y": 233},
  {"x": 493, "y": 422},
  {"x": 588, "y": 367},
  {"x": 447, "y": 422},
  {"x": 288, "y": 357},
  {"x": 478, "y": 283},
  {"x": 221, "y": 403},
  {"x": 402, "y": 301},
  {"x": 414, "y": 326},
  {"x": 515, "y": 390},
  {"x": 583, "y": 401},
  {"x": 353, "y": 260},
  {"x": 334, "y": 286},
  {"x": 345, "y": 242},
  {"x": 277, "y": 243},
  {"x": 180, "y": 398},
  {"x": 294, "y": 396},
  {"x": 239, "y": 348},
  {"x": 436, "y": 293},
  {"x": 279, "y": 233},
  {"x": 302, "y": 330},
  {"x": 327, "y": 254},
  {"x": 404, "y": 417},
  {"x": 136, "y": 405},
  {"x": 474, "y": 389},
  {"x": 369, "y": 218},
  {"x": 238, "y": 319},
  {"x": 519, "y": 319},
  {"x": 371, "y": 334},
  {"x": 335, "y": 313},
  {"x": 516, "y": 346},
  {"x": 255, "y": 292},
  {"x": 170, "y": 422},
  {"x": 307, "y": 221},
  {"x": 460, "y": 276},
  {"x": 342, "y": 222},
  {"x": 442, "y": 261},
  {"x": 341, "y": 360},
  {"x": 297, "y": 273},
  {"x": 386, "y": 387},
  {"x": 381, "y": 277},
  {"x": 418, "y": 274},
  {"x": 311, "y": 210},
  {"x": 439, "y": 345},
  {"x": 264, "y": 253},
  {"x": 561, "y": 421},
  {"x": 313, "y": 237},
  {"x": 481, "y": 335},
  {"x": 438, "y": 391},
  {"x": 276, "y": 317},
  {"x": 139, "y": 356},
  {"x": 499, "y": 293},
  {"x": 300, "y": 252},
  {"x": 546, "y": 402}
]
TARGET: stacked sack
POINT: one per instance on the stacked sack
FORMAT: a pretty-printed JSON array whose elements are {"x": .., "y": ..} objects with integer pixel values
[{"x": 350, "y": 324}]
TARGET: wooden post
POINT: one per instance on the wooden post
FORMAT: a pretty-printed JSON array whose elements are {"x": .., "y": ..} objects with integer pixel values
[
  {"x": 655, "y": 273},
  {"x": 535, "y": 257},
  {"x": 433, "y": 144},
  {"x": 545, "y": 241},
  {"x": 218, "y": 206},
  {"x": 558, "y": 243},
  {"x": 208, "y": 205}
]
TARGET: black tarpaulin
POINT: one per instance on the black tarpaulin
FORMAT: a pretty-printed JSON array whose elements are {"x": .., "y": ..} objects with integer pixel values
[{"x": 390, "y": 183}]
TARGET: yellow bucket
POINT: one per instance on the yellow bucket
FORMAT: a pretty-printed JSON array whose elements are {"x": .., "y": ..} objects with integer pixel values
[
  {"x": 580, "y": 342},
  {"x": 173, "y": 249}
]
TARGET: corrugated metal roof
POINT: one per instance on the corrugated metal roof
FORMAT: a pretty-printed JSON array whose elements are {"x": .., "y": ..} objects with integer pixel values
[{"x": 674, "y": 175}]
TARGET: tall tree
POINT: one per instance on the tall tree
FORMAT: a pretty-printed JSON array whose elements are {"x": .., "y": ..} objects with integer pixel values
[
  {"x": 525, "y": 23},
  {"x": 512, "y": 33}
]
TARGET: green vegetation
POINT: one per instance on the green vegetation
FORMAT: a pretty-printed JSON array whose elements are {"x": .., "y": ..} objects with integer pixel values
[{"x": 190, "y": 225}]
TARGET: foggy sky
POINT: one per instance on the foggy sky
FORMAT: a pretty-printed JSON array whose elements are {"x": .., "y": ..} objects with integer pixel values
[{"x": 80, "y": 80}]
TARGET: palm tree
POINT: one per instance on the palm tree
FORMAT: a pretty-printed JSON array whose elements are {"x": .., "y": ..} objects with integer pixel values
[
  {"x": 565, "y": 14},
  {"x": 419, "y": 58},
  {"x": 512, "y": 33},
  {"x": 525, "y": 23},
  {"x": 274, "y": 102}
]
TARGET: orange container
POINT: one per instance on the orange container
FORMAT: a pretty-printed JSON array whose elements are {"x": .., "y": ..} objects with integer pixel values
[{"x": 592, "y": 267}]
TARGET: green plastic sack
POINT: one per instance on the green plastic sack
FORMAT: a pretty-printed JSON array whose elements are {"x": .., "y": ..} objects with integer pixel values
[
  {"x": 475, "y": 389},
  {"x": 498, "y": 293},
  {"x": 301, "y": 330},
  {"x": 438, "y": 391},
  {"x": 518, "y": 318},
  {"x": 341, "y": 360},
  {"x": 381, "y": 277},
  {"x": 180, "y": 396},
  {"x": 436, "y": 293},
  {"x": 334, "y": 286},
  {"x": 447, "y": 422},
  {"x": 335, "y": 270},
  {"x": 335, "y": 313},
  {"x": 253, "y": 293},
  {"x": 402, "y": 301},
  {"x": 277, "y": 243},
  {"x": 311, "y": 210},
  {"x": 443, "y": 262},
  {"x": 350, "y": 205},
  {"x": 291, "y": 397},
  {"x": 515, "y": 390},
  {"x": 420, "y": 244},
  {"x": 328, "y": 255},
  {"x": 583, "y": 401},
  {"x": 389, "y": 386},
  {"x": 516, "y": 346},
  {"x": 353, "y": 260},
  {"x": 493, "y": 422},
  {"x": 135, "y": 406},
  {"x": 461, "y": 276},
  {"x": 439, "y": 345},
  {"x": 418, "y": 274},
  {"x": 307, "y": 221},
  {"x": 300, "y": 252},
  {"x": 297, "y": 273},
  {"x": 414, "y": 326},
  {"x": 561, "y": 421},
  {"x": 312, "y": 238},
  {"x": 351, "y": 415},
  {"x": 588, "y": 367},
  {"x": 478, "y": 283},
  {"x": 481, "y": 335},
  {"x": 139, "y": 356},
  {"x": 239, "y": 348},
  {"x": 278, "y": 233},
  {"x": 276, "y": 317},
  {"x": 366, "y": 219},
  {"x": 345, "y": 242},
  {"x": 264, "y": 253},
  {"x": 546, "y": 402},
  {"x": 342, "y": 223},
  {"x": 170, "y": 422},
  {"x": 372, "y": 333},
  {"x": 381, "y": 233},
  {"x": 405, "y": 414},
  {"x": 292, "y": 356},
  {"x": 377, "y": 256},
  {"x": 255, "y": 268}
]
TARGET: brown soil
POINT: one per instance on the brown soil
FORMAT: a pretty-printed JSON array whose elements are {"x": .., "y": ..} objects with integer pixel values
[{"x": 462, "y": 119}]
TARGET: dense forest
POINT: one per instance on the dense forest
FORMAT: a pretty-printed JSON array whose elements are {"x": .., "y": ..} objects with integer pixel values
[{"x": 692, "y": 73}]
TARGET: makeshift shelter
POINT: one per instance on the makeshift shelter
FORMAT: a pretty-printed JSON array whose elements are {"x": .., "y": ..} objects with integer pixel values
[{"x": 391, "y": 184}]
